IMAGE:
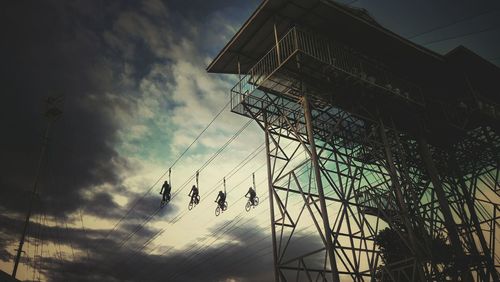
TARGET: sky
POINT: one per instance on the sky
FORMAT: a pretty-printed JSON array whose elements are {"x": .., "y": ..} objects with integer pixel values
[{"x": 136, "y": 94}]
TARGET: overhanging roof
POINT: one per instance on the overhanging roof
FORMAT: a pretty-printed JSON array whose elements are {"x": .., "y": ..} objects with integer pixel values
[
  {"x": 481, "y": 75},
  {"x": 348, "y": 25}
]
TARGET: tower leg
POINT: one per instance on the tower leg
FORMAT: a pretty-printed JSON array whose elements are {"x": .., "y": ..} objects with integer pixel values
[
  {"x": 396, "y": 187},
  {"x": 475, "y": 220},
  {"x": 271, "y": 197},
  {"x": 444, "y": 207},
  {"x": 314, "y": 159}
]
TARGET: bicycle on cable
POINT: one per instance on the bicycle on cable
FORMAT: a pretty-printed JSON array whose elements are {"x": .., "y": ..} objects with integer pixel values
[
  {"x": 165, "y": 190},
  {"x": 195, "y": 198},
  {"x": 194, "y": 194},
  {"x": 253, "y": 200},
  {"x": 221, "y": 201}
]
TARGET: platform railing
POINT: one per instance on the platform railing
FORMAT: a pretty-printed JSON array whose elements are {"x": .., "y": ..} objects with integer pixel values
[
  {"x": 339, "y": 57},
  {"x": 375, "y": 199},
  {"x": 266, "y": 66}
]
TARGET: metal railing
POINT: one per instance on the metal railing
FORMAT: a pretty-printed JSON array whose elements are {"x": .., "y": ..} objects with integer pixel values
[
  {"x": 265, "y": 67},
  {"x": 339, "y": 57},
  {"x": 376, "y": 199}
]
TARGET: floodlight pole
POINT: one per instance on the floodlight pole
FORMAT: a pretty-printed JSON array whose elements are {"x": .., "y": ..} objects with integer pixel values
[{"x": 51, "y": 114}]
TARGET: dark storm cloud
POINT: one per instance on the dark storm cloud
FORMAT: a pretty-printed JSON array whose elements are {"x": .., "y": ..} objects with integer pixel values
[
  {"x": 80, "y": 49},
  {"x": 47, "y": 50},
  {"x": 93, "y": 243},
  {"x": 101, "y": 204},
  {"x": 85, "y": 50},
  {"x": 244, "y": 256},
  {"x": 232, "y": 251},
  {"x": 54, "y": 48},
  {"x": 5, "y": 241}
]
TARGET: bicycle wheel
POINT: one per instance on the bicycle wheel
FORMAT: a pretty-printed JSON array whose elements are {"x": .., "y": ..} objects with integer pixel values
[
  {"x": 256, "y": 201},
  {"x": 190, "y": 206},
  {"x": 217, "y": 211},
  {"x": 248, "y": 206}
]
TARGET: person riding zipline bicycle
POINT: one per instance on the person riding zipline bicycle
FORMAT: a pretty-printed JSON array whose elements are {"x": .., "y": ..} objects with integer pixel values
[
  {"x": 194, "y": 194},
  {"x": 221, "y": 198},
  {"x": 252, "y": 194},
  {"x": 165, "y": 191}
]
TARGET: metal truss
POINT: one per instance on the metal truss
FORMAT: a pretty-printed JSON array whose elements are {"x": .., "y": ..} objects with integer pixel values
[{"x": 340, "y": 174}]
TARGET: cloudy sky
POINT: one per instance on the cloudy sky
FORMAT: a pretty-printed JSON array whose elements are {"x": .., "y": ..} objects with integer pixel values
[{"x": 136, "y": 94}]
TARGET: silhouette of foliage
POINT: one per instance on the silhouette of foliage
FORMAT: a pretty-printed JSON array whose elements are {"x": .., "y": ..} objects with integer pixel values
[{"x": 398, "y": 259}]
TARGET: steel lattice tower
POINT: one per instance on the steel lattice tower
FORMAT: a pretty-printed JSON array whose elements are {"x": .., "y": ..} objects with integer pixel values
[{"x": 355, "y": 148}]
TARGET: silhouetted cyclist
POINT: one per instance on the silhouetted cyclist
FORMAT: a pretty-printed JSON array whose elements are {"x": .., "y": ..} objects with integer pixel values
[
  {"x": 221, "y": 198},
  {"x": 252, "y": 194},
  {"x": 194, "y": 194},
  {"x": 165, "y": 191}
]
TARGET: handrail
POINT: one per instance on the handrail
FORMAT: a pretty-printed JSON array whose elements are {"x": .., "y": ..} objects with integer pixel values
[
  {"x": 329, "y": 52},
  {"x": 265, "y": 55}
]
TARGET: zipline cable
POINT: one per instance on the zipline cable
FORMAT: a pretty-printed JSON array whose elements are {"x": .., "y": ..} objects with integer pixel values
[
  {"x": 201, "y": 133},
  {"x": 163, "y": 175},
  {"x": 213, "y": 157},
  {"x": 205, "y": 246}
]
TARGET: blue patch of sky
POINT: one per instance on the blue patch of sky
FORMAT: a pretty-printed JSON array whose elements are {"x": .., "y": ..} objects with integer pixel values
[{"x": 153, "y": 145}]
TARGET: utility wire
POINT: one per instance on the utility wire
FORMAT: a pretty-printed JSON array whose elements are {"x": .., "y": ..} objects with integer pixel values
[
  {"x": 204, "y": 247},
  {"x": 59, "y": 226},
  {"x": 85, "y": 235},
  {"x": 461, "y": 35},
  {"x": 213, "y": 157},
  {"x": 175, "y": 219},
  {"x": 165, "y": 173},
  {"x": 224, "y": 229},
  {"x": 464, "y": 19},
  {"x": 201, "y": 133},
  {"x": 230, "y": 174},
  {"x": 138, "y": 228}
]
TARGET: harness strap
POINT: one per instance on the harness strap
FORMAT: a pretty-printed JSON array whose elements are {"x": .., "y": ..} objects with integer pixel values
[
  {"x": 197, "y": 185},
  {"x": 224, "y": 185},
  {"x": 169, "y": 177},
  {"x": 253, "y": 178}
]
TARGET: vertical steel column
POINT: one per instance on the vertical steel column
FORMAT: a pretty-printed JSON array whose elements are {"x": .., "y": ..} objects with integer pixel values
[
  {"x": 477, "y": 225},
  {"x": 276, "y": 40},
  {"x": 317, "y": 173},
  {"x": 449, "y": 223},
  {"x": 396, "y": 186},
  {"x": 271, "y": 195}
]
